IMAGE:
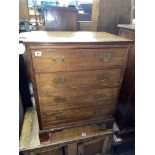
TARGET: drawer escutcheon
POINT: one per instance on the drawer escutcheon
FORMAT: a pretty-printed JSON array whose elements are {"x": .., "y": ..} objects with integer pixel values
[
  {"x": 105, "y": 57},
  {"x": 59, "y": 81},
  {"x": 59, "y": 100},
  {"x": 58, "y": 59},
  {"x": 102, "y": 77}
]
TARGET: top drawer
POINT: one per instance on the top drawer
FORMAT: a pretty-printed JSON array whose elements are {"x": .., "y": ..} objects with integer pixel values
[{"x": 53, "y": 60}]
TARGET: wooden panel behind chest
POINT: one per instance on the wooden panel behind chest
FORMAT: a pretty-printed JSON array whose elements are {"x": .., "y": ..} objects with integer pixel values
[{"x": 53, "y": 60}]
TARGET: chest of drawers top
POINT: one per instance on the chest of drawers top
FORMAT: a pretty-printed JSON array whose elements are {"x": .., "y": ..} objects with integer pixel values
[
  {"x": 75, "y": 75},
  {"x": 81, "y": 37}
]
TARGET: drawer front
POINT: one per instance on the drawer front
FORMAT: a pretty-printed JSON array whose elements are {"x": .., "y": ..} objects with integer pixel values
[
  {"x": 63, "y": 99},
  {"x": 78, "y": 80},
  {"x": 53, "y": 60},
  {"x": 74, "y": 116},
  {"x": 92, "y": 147},
  {"x": 50, "y": 152},
  {"x": 97, "y": 146}
]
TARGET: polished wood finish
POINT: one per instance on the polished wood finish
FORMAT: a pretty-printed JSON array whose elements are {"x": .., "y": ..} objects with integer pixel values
[
  {"x": 86, "y": 39},
  {"x": 84, "y": 80},
  {"x": 67, "y": 140},
  {"x": 53, "y": 60},
  {"x": 125, "y": 113},
  {"x": 60, "y": 99},
  {"x": 89, "y": 97},
  {"x": 60, "y": 19},
  {"x": 75, "y": 116}
]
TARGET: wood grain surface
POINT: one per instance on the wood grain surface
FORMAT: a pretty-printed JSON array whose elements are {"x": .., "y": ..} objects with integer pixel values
[
  {"x": 60, "y": 19},
  {"x": 69, "y": 73},
  {"x": 62, "y": 99},
  {"x": 71, "y": 37},
  {"x": 75, "y": 116},
  {"x": 53, "y": 60},
  {"x": 81, "y": 80}
]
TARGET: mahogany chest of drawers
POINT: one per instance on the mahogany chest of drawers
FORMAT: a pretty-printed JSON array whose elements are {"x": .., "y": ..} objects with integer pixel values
[{"x": 76, "y": 76}]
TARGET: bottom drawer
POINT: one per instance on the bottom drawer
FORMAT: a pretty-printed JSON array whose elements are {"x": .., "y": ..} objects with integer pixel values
[{"x": 74, "y": 116}]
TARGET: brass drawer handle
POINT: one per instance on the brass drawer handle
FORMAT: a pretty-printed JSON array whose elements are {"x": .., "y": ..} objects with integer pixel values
[
  {"x": 59, "y": 99},
  {"x": 106, "y": 57},
  {"x": 58, "y": 59},
  {"x": 59, "y": 81},
  {"x": 99, "y": 96},
  {"x": 102, "y": 77}
]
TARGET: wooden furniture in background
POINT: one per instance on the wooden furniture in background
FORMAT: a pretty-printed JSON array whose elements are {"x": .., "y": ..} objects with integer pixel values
[
  {"x": 76, "y": 77},
  {"x": 107, "y": 14},
  {"x": 95, "y": 14},
  {"x": 125, "y": 112},
  {"x": 60, "y": 19},
  {"x": 85, "y": 140},
  {"x": 23, "y": 10}
]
